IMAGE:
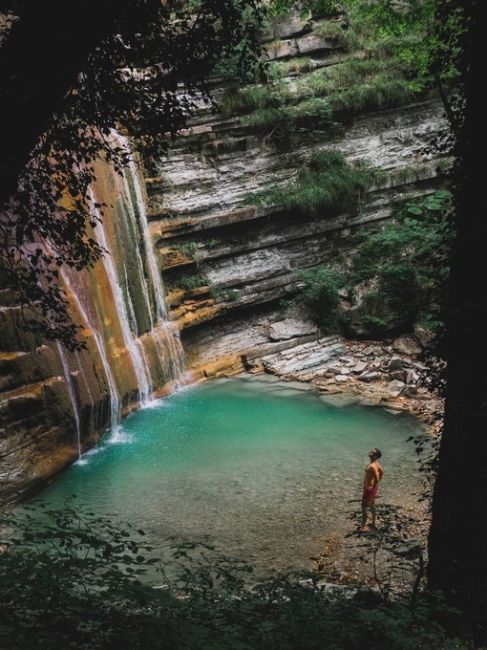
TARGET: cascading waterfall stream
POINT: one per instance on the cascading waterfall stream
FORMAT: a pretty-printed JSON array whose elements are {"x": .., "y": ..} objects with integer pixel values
[
  {"x": 133, "y": 345},
  {"x": 120, "y": 304},
  {"x": 166, "y": 338},
  {"x": 101, "y": 349},
  {"x": 72, "y": 394}
]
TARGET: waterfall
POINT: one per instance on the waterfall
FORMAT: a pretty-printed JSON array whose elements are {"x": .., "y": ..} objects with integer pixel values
[
  {"x": 100, "y": 348},
  {"x": 133, "y": 345},
  {"x": 132, "y": 349},
  {"x": 72, "y": 394},
  {"x": 165, "y": 336}
]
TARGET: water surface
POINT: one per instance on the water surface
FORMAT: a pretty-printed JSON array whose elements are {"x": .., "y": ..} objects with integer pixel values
[{"x": 261, "y": 471}]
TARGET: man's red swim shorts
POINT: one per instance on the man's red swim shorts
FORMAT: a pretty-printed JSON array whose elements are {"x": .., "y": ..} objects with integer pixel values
[{"x": 369, "y": 494}]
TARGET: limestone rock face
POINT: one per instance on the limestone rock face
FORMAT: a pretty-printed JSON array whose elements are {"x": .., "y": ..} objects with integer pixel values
[{"x": 290, "y": 328}]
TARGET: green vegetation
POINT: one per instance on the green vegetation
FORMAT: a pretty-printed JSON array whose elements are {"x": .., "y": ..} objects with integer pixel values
[
  {"x": 359, "y": 85},
  {"x": 212, "y": 243},
  {"x": 394, "y": 55},
  {"x": 227, "y": 295},
  {"x": 306, "y": 7},
  {"x": 410, "y": 32},
  {"x": 320, "y": 292},
  {"x": 276, "y": 70},
  {"x": 192, "y": 282},
  {"x": 327, "y": 185},
  {"x": 402, "y": 272},
  {"x": 383, "y": 92},
  {"x": 311, "y": 113},
  {"x": 232, "y": 295},
  {"x": 188, "y": 249},
  {"x": 408, "y": 259},
  {"x": 71, "y": 579},
  {"x": 247, "y": 99}
]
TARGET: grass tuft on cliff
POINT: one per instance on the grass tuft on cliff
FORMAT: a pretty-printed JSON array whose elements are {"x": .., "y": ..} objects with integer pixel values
[{"x": 328, "y": 185}]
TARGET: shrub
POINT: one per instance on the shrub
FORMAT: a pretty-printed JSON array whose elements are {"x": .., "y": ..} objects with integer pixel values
[
  {"x": 228, "y": 295},
  {"x": 72, "y": 579},
  {"x": 409, "y": 258},
  {"x": 320, "y": 292},
  {"x": 212, "y": 243},
  {"x": 188, "y": 249}
]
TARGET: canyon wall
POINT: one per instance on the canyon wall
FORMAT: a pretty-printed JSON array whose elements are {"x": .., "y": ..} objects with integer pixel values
[{"x": 231, "y": 269}]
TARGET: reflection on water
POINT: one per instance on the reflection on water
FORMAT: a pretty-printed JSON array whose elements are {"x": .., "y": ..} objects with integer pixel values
[{"x": 259, "y": 470}]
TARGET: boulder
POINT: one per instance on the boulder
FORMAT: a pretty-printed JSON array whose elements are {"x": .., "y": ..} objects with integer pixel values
[
  {"x": 401, "y": 375},
  {"x": 349, "y": 361},
  {"x": 409, "y": 391},
  {"x": 394, "y": 364},
  {"x": 341, "y": 378},
  {"x": 395, "y": 387},
  {"x": 407, "y": 345},
  {"x": 371, "y": 351},
  {"x": 359, "y": 367},
  {"x": 411, "y": 377},
  {"x": 314, "y": 43}
]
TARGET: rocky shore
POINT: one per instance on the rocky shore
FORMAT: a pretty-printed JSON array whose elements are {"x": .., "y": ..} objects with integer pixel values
[{"x": 379, "y": 373}]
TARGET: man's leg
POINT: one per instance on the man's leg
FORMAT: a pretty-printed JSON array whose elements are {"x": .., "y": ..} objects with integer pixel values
[
  {"x": 363, "y": 527},
  {"x": 374, "y": 514}
]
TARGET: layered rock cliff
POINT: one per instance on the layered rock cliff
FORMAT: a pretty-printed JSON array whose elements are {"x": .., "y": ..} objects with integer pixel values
[
  {"x": 231, "y": 269},
  {"x": 234, "y": 268}
]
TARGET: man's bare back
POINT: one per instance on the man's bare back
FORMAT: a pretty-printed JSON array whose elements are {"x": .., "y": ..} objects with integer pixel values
[{"x": 373, "y": 474}]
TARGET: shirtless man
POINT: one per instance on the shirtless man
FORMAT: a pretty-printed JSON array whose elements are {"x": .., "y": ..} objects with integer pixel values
[{"x": 373, "y": 474}]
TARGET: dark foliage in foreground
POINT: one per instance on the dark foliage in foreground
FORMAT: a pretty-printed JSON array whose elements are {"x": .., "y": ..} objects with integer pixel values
[{"x": 71, "y": 579}]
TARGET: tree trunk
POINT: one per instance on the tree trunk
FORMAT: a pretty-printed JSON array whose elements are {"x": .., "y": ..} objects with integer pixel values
[{"x": 458, "y": 541}]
